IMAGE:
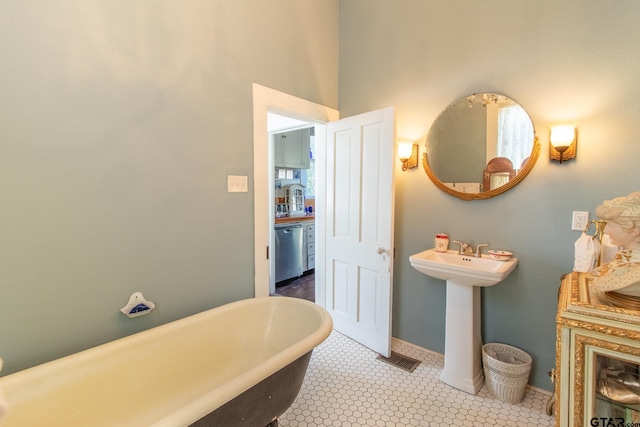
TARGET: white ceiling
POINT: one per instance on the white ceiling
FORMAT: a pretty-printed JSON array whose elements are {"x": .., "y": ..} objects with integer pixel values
[{"x": 277, "y": 122}]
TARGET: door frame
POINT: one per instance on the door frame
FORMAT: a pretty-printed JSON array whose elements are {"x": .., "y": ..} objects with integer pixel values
[{"x": 269, "y": 100}]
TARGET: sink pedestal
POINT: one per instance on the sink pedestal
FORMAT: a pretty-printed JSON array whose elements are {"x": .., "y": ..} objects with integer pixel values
[
  {"x": 463, "y": 339},
  {"x": 465, "y": 275}
]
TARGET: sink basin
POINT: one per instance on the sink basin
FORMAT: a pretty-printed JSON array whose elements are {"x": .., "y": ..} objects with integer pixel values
[
  {"x": 462, "y": 269},
  {"x": 465, "y": 275}
]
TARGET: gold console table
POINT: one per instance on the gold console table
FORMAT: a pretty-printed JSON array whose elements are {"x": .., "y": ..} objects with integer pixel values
[{"x": 597, "y": 357}]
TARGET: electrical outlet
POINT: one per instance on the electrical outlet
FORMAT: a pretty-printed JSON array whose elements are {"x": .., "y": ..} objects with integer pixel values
[{"x": 580, "y": 220}]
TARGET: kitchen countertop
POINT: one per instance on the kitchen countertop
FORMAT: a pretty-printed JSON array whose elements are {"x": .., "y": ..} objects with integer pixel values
[{"x": 295, "y": 219}]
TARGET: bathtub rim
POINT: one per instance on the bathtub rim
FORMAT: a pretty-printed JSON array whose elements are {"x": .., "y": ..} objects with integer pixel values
[
  {"x": 211, "y": 401},
  {"x": 217, "y": 397}
]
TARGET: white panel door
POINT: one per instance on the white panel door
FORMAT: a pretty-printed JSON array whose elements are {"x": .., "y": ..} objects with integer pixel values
[{"x": 359, "y": 227}]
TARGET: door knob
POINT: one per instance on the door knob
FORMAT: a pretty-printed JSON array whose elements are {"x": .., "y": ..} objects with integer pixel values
[{"x": 382, "y": 251}]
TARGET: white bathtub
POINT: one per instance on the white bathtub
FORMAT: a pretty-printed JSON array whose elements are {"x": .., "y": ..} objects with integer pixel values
[{"x": 174, "y": 374}]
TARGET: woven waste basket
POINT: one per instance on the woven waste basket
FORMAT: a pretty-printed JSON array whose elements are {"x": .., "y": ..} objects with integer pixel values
[{"x": 506, "y": 371}]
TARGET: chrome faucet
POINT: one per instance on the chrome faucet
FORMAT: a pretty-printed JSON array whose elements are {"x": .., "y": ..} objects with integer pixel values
[
  {"x": 479, "y": 249},
  {"x": 466, "y": 249}
]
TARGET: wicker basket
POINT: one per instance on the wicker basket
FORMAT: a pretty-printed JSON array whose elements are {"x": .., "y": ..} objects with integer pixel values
[{"x": 506, "y": 381}]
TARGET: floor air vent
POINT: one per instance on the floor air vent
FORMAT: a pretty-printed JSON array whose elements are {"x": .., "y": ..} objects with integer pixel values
[{"x": 402, "y": 362}]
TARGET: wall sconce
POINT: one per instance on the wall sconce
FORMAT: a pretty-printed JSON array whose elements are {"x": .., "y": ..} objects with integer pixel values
[
  {"x": 563, "y": 142},
  {"x": 408, "y": 154}
]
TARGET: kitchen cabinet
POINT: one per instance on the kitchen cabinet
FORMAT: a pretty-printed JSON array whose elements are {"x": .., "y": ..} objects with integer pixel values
[
  {"x": 597, "y": 357},
  {"x": 310, "y": 244},
  {"x": 291, "y": 149}
]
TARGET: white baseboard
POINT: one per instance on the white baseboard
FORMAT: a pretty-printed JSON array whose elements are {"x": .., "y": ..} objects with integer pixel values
[{"x": 417, "y": 347}]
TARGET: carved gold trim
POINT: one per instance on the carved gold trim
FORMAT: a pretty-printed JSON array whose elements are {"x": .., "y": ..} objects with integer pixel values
[
  {"x": 558, "y": 373},
  {"x": 602, "y": 329},
  {"x": 566, "y": 283},
  {"x": 580, "y": 299},
  {"x": 583, "y": 318},
  {"x": 535, "y": 152},
  {"x": 580, "y": 344}
]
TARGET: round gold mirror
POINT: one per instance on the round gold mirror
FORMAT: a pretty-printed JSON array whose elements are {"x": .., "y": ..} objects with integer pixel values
[{"x": 480, "y": 146}]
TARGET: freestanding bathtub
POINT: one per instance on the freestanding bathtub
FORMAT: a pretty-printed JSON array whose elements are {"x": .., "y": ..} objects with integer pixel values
[{"x": 239, "y": 364}]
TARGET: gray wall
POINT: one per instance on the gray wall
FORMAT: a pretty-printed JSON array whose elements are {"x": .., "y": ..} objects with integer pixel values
[
  {"x": 568, "y": 60},
  {"x": 119, "y": 123}
]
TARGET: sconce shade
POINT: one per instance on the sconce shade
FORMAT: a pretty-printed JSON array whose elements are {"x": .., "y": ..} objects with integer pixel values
[
  {"x": 562, "y": 135},
  {"x": 563, "y": 142},
  {"x": 404, "y": 150},
  {"x": 408, "y": 154}
]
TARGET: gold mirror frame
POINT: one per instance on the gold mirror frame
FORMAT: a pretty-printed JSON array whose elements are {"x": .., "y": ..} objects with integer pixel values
[{"x": 535, "y": 152}]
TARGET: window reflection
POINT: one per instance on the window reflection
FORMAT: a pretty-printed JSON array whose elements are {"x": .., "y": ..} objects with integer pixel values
[{"x": 515, "y": 134}]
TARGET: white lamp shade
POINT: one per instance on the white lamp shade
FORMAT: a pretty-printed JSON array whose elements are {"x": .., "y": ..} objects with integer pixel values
[
  {"x": 405, "y": 148},
  {"x": 562, "y": 135}
]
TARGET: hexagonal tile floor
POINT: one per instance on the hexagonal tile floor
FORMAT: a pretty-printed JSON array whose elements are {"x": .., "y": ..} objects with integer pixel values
[{"x": 346, "y": 386}]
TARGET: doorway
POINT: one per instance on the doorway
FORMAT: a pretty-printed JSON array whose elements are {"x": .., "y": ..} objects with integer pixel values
[
  {"x": 271, "y": 101},
  {"x": 301, "y": 287},
  {"x": 357, "y": 290},
  {"x": 293, "y": 192}
]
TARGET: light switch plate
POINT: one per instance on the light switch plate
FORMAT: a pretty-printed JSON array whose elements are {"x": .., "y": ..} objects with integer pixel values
[{"x": 237, "y": 184}]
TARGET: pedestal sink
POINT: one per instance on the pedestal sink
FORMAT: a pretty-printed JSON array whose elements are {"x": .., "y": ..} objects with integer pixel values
[{"x": 465, "y": 275}]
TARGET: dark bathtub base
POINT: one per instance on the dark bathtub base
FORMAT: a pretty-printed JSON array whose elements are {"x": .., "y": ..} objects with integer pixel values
[{"x": 262, "y": 403}]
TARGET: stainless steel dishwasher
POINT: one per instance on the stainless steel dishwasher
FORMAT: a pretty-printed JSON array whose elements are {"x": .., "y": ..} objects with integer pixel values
[{"x": 289, "y": 239}]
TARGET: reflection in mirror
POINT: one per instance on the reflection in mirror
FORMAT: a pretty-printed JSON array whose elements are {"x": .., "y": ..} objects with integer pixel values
[
  {"x": 499, "y": 171},
  {"x": 480, "y": 146}
]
